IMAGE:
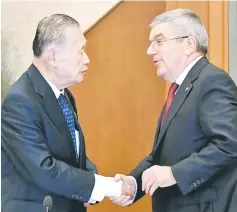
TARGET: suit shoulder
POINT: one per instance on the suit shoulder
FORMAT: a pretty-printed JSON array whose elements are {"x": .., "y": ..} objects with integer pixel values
[
  {"x": 21, "y": 89},
  {"x": 212, "y": 75},
  {"x": 212, "y": 70},
  {"x": 215, "y": 80}
]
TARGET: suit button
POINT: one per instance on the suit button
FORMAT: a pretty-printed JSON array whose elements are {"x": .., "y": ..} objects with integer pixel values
[
  {"x": 74, "y": 196},
  {"x": 194, "y": 184},
  {"x": 191, "y": 186},
  {"x": 198, "y": 182},
  {"x": 202, "y": 180}
]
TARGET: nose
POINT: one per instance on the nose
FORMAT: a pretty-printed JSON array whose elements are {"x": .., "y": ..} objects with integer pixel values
[
  {"x": 86, "y": 59},
  {"x": 151, "y": 50}
]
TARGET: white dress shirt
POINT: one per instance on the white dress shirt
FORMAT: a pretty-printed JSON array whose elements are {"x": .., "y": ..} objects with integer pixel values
[{"x": 183, "y": 75}]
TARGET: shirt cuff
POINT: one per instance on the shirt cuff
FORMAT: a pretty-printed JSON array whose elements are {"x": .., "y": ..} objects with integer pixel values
[
  {"x": 113, "y": 188},
  {"x": 105, "y": 187},
  {"x": 98, "y": 192},
  {"x": 135, "y": 194}
]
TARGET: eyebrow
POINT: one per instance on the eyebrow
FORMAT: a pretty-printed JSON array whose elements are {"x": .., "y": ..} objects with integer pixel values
[
  {"x": 83, "y": 46},
  {"x": 157, "y": 36}
]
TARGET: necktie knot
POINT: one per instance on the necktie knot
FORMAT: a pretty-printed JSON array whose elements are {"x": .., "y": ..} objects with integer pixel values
[
  {"x": 169, "y": 100},
  {"x": 62, "y": 100},
  {"x": 172, "y": 89}
]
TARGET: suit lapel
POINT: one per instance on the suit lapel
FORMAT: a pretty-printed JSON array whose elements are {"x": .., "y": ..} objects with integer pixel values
[
  {"x": 50, "y": 103},
  {"x": 82, "y": 150},
  {"x": 179, "y": 98},
  {"x": 182, "y": 93},
  {"x": 157, "y": 130}
]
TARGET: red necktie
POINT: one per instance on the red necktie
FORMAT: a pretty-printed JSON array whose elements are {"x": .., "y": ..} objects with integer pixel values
[{"x": 169, "y": 100}]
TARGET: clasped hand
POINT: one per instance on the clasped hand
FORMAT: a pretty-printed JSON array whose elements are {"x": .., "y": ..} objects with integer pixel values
[
  {"x": 152, "y": 178},
  {"x": 128, "y": 190}
]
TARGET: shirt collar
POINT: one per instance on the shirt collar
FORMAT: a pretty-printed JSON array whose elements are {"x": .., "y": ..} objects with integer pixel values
[
  {"x": 55, "y": 90},
  {"x": 183, "y": 75}
]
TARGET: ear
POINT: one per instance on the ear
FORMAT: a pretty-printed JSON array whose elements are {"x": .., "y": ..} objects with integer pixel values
[
  {"x": 50, "y": 55},
  {"x": 191, "y": 45}
]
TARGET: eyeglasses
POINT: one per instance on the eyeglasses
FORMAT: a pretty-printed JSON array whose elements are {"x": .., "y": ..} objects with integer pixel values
[{"x": 162, "y": 41}]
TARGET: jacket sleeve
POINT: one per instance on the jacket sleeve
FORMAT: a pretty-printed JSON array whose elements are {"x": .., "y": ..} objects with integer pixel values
[
  {"x": 137, "y": 174},
  {"x": 217, "y": 116},
  {"x": 90, "y": 166}
]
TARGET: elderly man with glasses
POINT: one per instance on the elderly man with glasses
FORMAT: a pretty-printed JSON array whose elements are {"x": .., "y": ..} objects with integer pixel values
[{"x": 193, "y": 163}]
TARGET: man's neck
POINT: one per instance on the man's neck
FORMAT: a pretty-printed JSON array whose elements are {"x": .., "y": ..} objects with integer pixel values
[
  {"x": 39, "y": 64},
  {"x": 187, "y": 68},
  {"x": 193, "y": 57}
]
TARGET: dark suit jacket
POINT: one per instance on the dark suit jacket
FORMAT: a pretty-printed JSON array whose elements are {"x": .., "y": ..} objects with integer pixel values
[
  {"x": 199, "y": 141},
  {"x": 38, "y": 157}
]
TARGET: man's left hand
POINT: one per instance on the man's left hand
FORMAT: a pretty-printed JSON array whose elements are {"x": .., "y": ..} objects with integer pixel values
[{"x": 157, "y": 176}]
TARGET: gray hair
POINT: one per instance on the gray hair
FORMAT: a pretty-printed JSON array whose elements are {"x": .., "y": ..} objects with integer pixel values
[
  {"x": 186, "y": 23},
  {"x": 51, "y": 30}
]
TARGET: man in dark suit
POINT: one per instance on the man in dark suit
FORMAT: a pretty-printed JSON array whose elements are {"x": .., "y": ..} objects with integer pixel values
[
  {"x": 43, "y": 148},
  {"x": 193, "y": 163}
]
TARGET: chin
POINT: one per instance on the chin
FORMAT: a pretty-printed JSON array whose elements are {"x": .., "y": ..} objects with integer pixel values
[
  {"x": 163, "y": 75},
  {"x": 160, "y": 73},
  {"x": 79, "y": 79}
]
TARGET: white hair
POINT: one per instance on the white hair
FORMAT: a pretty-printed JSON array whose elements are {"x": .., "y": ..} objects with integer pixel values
[
  {"x": 186, "y": 23},
  {"x": 51, "y": 30}
]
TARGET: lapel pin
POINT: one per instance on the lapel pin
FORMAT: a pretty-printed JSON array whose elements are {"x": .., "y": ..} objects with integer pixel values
[{"x": 186, "y": 89}]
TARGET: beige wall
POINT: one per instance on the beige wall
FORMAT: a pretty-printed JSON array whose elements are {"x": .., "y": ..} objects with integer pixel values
[{"x": 18, "y": 25}]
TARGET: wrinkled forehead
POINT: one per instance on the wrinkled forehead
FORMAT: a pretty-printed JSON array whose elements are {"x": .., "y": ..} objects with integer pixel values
[
  {"x": 75, "y": 36},
  {"x": 161, "y": 31}
]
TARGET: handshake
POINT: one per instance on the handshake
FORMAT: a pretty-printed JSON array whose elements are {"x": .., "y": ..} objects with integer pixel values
[
  {"x": 122, "y": 189},
  {"x": 128, "y": 187},
  {"x": 152, "y": 178}
]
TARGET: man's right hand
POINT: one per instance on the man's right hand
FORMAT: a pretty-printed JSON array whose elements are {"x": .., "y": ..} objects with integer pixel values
[{"x": 128, "y": 190}]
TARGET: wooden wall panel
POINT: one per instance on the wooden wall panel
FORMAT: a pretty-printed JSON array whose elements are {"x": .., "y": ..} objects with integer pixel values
[{"x": 121, "y": 98}]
